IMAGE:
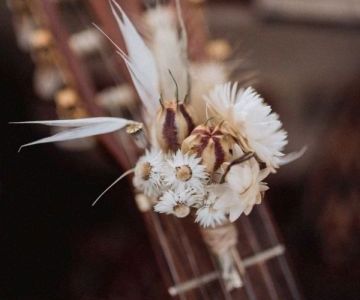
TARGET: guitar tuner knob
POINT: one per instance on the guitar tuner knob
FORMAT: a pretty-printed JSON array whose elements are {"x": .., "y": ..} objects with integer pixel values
[
  {"x": 218, "y": 49},
  {"x": 41, "y": 39},
  {"x": 118, "y": 100},
  {"x": 86, "y": 42},
  {"x": 24, "y": 26},
  {"x": 42, "y": 48},
  {"x": 67, "y": 98},
  {"x": 68, "y": 104},
  {"x": 48, "y": 79}
]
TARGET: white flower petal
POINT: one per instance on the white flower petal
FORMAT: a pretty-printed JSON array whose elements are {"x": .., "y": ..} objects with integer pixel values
[
  {"x": 153, "y": 184},
  {"x": 209, "y": 217},
  {"x": 207, "y": 214},
  {"x": 174, "y": 198},
  {"x": 288, "y": 158},
  {"x": 252, "y": 118},
  {"x": 198, "y": 177},
  {"x": 235, "y": 212},
  {"x": 242, "y": 189},
  {"x": 164, "y": 31}
]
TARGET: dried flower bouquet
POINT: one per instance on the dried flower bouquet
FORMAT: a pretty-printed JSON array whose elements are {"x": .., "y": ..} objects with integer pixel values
[
  {"x": 215, "y": 166},
  {"x": 209, "y": 153}
]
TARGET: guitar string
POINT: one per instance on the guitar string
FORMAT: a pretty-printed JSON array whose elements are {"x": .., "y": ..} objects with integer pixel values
[
  {"x": 193, "y": 263},
  {"x": 247, "y": 280},
  {"x": 270, "y": 286},
  {"x": 266, "y": 218},
  {"x": 82, "y": 18},
  {"x": 191, "y": 257},
  {"x": 174, "y": 225},
  {"x": 249, "y": 289},
  {"x": 165, "y": 247},
  {"x": 155, "y": 219},
  {"x": 167, "y": 253},
  {"x": 195, "y": 269}
]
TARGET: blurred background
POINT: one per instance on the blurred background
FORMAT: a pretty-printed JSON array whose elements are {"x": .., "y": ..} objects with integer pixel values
[{"x": 306, "y": 56}]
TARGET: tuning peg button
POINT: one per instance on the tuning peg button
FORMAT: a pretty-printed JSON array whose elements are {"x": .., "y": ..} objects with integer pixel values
[{"x": 41, "y": 39}]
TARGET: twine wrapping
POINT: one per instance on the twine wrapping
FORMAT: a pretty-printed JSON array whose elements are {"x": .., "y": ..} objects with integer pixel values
[{"x": 221, "y": 242}]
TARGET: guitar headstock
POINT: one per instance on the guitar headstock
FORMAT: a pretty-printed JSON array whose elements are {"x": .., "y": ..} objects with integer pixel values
[{"x": 79, "y": 70}]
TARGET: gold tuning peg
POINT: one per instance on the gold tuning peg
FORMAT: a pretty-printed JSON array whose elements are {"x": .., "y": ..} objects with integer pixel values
[
  {"x": 86, "y": 42},
  {"x": 41, "y": 39},
  {"x": 48, "y": 79},
  {"x": 42, "y": 47},
  {"x": 68, "y": 104},
  {"x": 66, "y": 98},
  {"x": 218, "y": 49}
]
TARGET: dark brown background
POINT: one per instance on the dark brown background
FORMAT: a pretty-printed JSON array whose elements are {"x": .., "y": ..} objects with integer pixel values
[{"x": 54, "y": 245}]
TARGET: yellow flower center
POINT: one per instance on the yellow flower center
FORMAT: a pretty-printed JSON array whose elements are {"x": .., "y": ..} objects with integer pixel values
[
  {"x": 181, "y": 210},
  {"x": 145, "y": 170},
  {"x": 183, "y": 173}
]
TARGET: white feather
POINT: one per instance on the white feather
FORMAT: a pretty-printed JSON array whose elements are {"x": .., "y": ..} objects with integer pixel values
[
  {"x": 82, "y": 128},
  {"x": 140, "y": 61},
  {"x": 170, "y": 50},
  {"x": 142, "y": 91},
  {"x": 144, "y": 94},
  {"x": 205, "y": 76}
]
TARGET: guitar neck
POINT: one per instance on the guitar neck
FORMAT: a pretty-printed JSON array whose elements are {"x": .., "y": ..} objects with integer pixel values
[
  {"x": 188, "y": 268},
  {"x": 192, "y": 273}
]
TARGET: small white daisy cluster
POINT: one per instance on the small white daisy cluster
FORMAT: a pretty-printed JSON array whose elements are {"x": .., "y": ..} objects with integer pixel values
[{"x": 178, "y": 181}]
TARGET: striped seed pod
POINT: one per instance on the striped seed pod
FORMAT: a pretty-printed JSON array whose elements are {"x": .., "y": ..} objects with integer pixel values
[
  {"x": 214, "y": 144},
  {"x": 174, "y": 123}
]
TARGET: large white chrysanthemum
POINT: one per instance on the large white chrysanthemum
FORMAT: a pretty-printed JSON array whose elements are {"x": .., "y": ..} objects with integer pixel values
[
  {"x": 147, "y": 175},
  {"x": 207, "y": 215},
  {"x": 245, "y": 182},
  {"x": 177, "y": 202},
  {"x": 185, "y": 171},
  {"x": 246, "y": 111}
]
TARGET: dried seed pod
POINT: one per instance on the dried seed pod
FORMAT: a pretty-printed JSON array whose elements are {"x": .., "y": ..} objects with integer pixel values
[
  {"x": 68, "y": 104},
  {"x": 214, "y": 144},
  {"x": 174, "y": 123}
]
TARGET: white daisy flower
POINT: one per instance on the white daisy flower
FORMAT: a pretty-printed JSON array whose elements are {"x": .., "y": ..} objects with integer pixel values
[
  {"x": 207, "y": 215},
  {"x": 245, "y": 182},
  {"x": 147, "y": 174},
  {"x": 177, "y": 202},
  {"x": 185, "y": 171},
  {"x": 252, "y": 118}
]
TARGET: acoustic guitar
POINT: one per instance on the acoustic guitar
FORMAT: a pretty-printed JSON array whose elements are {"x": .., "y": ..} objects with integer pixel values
[{"x": 90, "y": 79}]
